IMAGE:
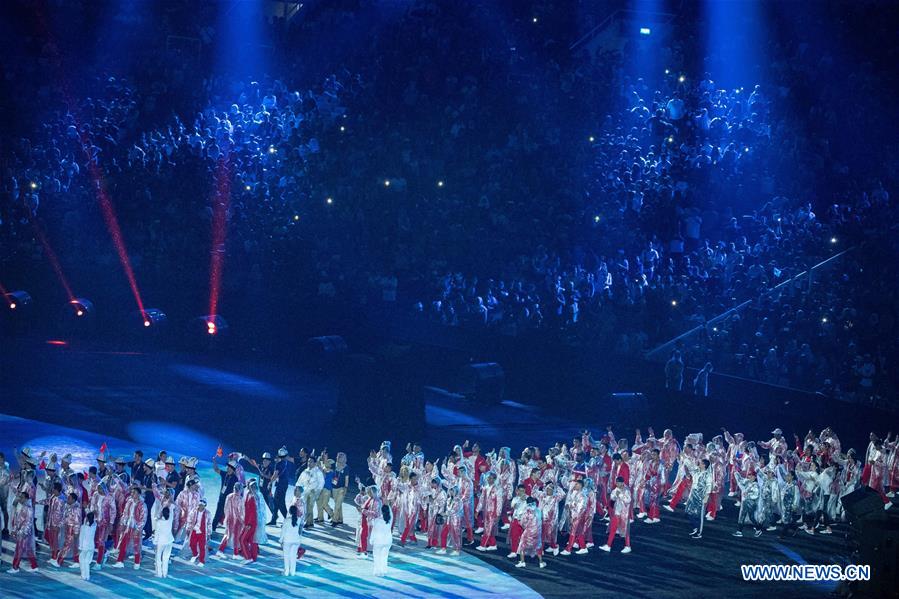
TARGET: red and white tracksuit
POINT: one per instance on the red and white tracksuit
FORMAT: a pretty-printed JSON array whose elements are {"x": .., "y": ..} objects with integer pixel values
[{"x": 134, "y": 517}]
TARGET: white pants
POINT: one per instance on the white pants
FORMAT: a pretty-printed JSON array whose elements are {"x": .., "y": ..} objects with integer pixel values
[
  {"x": 85, "y": 557},
  {"x": 290, "y": 558},
  {"x": 379, "y": 556},
  {"x": 163, "y": 552}
]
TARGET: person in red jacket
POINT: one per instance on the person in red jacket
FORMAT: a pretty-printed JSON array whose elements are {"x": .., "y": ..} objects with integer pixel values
[
  {"x": 134, "y": 517},
  {"x": 248, "y": 545}
]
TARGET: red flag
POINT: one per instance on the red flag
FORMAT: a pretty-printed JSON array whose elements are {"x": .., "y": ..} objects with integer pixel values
[
  {"x": 218, "y": 452},
  {"x": 103, "y": 447},
  {"x": 42, "y": 465}
]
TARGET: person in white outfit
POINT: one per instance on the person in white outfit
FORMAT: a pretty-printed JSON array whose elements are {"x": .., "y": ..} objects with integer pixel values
[
  {"x": 291, "y": 530},
  {"x": 380, "y": 540},
  {"x": 164, "y": 538},
  {"x": 86, "y": 545}
]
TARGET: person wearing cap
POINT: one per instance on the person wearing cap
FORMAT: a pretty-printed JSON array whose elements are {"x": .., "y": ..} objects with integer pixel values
[
  {"x": 102, "y": 468},
  {"x": 120, "y": 472},
  {"x": 133, "y": 521},
  {"x": 65, "y": 468},
  {"x": 233, "y": 513},
  {"x": 266, "y": 478},
  {"x": 183, "y": 462},
  {"x": 229, "y": 480},
  {"x": 173, "y": 479},
  {"x": 777, "y": 445},
  {"x": 285, "y": 475},
  {"x": 188, "y": 503},
  {"x": 200, "y": 534},
  {"x": 71, "y": 522},
  {"x": 22, "y": 531},
  {"x": 322, "y": 503}
]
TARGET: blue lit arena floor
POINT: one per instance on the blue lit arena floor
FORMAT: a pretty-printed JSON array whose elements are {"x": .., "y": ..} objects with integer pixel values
[{"x": 74, "y": 399}]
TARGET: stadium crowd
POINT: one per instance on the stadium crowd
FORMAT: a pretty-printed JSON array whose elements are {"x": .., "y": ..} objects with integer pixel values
[{"x": 511, "y": 190}]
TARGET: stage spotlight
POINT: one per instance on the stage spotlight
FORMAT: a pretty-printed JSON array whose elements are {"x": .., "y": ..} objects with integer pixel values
[
  {"x": 152, "y": 317},
  {"x": 17, "y": 299},
  {"x": 81, "y": 307},
  {"x": 645, "y": 31},
  {"x": 210, "y": 325}
]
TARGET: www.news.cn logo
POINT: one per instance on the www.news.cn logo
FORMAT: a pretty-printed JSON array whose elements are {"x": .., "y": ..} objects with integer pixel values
[{"x": 806, "y": 573}]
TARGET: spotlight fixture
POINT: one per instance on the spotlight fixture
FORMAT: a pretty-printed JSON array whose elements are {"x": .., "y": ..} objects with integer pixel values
[
  {"x": 209, "y": 325},
  {"x": 81, "y": 307},
  {"x": 17, "y": 299},
  {"x": 152, "y": 317}
]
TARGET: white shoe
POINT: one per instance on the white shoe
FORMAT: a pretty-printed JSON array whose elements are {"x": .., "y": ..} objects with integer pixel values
[
  {"x": 481, "y": 548},
  {"x": 737, "y": 503},
  {"x": 505, "y": 527},
  {"x": 652, "y": 520},
  {"x": 626, "y": 550},
  {"x": 732, "y": 494},
  {"x": 566, "y": 552},
  {"x": 770, "y": 528},
  {"x": 605, "y": 548},
  {"x": 589, "y": 545},
  {"x": 118, "y": 565},
  {"x": 891, "y": 494},
  {"x": 511, "y": 555},
  {"x": 246, "y": 562},
  {"x": 441, "y": 552},
  {"x": 641, "y": 515},
  {"x": 520, "y": 565},
  {"x": 94, "y": 567},
  {"x": 137, "y": 566},
  {"x": 668, "y": 507},
  {"x": 360, "y": 556},
  {"x": 556, "y": 551},
  {"x": 493, "y": 548},
  {"x": 887, "y": 506},
  {"x": 542, "y": 564},
  {"x": 200, "y": 565},
  {"x": 53, "y": 563},
  {"x": 479, "y": 531},
  {"x": 709, "y": 517},
  {"x": 75, "y": 566},
  {"x": 193, "y": 560},
  {"x": 456, "y": 552},
  {"x": 13, "y": 570},
  {"x": 581, "y": 551},
  {"x": 34, "y": 570}
]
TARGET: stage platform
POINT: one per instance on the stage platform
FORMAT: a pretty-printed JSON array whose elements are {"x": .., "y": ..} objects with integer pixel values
[{"x": 74, "y": 399}]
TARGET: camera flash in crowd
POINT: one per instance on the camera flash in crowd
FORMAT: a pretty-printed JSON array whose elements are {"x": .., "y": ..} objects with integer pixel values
[
  {"x": 33, "y": 185},
  {"x": 248, "y": 188},
  {"x": 591, "y": 138},
  {"x": 12, "y": 306},
  {"x": 296, "y": 217},
  {"x": 386, "y": 182},
  {"x": 681, "y": 79},
  {"x": 342, "y": 128},
  {"x": 673, "y": 302},
  {"x": 667, "y": 71},
  {"x": 272, "y": 149},
  {"x": 329, "y": 200},
  {"x": 440, "y": 183},
  {"x": 671, "y": 139},
  {"x": 833, "y": 240},
  {"x": 535, "y": 19},
  {"x": 824, "y": 320},
  {"x": 596, "y": 218}
]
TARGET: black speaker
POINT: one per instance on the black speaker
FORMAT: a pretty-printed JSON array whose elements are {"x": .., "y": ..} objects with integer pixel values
[
  {"x": 879, "y": 548},
  {"x": 863, "y": 504},
  {"x": 484, "y": 383}
]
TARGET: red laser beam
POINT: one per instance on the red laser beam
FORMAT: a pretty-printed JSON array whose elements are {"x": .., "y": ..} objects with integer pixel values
[
  {"x": 51, "y": 256},
  {"x": 221, "y": 202},
  {"x": 109, "y": 216}
]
